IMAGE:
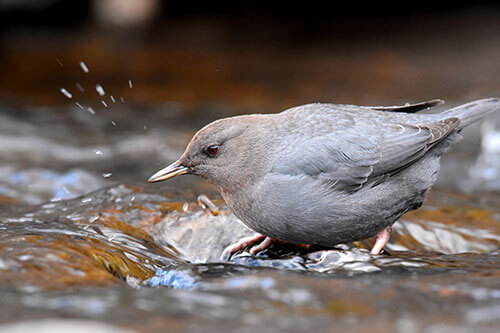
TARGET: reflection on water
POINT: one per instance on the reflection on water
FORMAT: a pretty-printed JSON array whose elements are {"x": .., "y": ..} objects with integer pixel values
[
  {"x": 36, "y": 185},
  {"x": 77, "y": 243},
  {"x": 485, "y": 172}
]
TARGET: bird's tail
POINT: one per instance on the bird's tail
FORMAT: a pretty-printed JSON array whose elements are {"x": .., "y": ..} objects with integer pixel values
[{"x": 473, "y": 111}]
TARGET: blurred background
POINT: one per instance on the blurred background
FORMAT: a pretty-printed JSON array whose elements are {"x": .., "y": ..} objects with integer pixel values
[
  {"x": 253, "y": 56},
  {"x": 117, "y": 87}
]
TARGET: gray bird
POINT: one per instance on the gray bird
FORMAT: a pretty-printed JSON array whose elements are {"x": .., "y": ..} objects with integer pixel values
[{"x": 324, "y": 174}]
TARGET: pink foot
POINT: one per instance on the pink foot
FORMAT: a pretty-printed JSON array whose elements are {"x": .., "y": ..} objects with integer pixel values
[
  {"x": 245, "y": 242},
  {"x": 382, "y": 239},
  {"x": 263, "y": 245}
]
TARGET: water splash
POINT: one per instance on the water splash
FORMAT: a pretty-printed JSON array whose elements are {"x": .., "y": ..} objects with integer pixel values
[
  {"x": 100, "y": 90},
  {"x": 66, "y": 93},
  {"x": 84, "y": 67},
  {"x": 173, "y": 279}
]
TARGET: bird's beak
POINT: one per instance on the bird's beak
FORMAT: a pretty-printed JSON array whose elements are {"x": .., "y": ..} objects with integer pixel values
[{"x": 172, "y": 170}]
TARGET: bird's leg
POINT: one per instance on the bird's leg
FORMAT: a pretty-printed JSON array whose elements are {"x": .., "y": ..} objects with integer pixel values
[
  {"x": 245, "y": 242},
  {"x": 382, "y": 239}
]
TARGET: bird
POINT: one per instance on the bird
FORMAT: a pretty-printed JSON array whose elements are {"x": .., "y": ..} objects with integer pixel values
[{"x": 323, "y": 174}]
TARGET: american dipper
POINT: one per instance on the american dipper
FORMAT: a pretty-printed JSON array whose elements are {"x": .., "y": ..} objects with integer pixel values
[{"x": 324, "y": 174}]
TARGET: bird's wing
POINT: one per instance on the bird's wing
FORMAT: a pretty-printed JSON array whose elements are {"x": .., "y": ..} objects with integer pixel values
[
  {"x": 410, "y": 142},
  {"x": 409, "y": 108},
  {"x": 349, "y": 158}
]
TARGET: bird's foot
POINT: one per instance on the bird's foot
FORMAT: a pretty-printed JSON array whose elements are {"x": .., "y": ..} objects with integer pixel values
[
  {"x": 382, "y": 239},
  {"x": 246, "y": 242}
]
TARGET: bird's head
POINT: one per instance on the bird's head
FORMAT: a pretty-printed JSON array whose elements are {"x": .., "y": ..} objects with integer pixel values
[{"x": 222, "y": 152}]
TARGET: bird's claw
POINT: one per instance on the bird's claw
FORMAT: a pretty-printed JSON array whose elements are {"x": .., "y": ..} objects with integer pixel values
[{"x": 246, "y": 242}]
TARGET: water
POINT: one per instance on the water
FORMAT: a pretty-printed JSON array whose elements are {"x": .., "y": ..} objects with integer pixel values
[
  {"x": 66, "y": 93},
  {"x": 84, "y": 239},
  {"x": 100, "y": 90},
  {"x": 84, "y": 67}
]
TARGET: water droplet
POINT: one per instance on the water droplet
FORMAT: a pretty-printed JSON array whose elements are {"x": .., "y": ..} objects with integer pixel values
[
  {"x": 90, "y": 110},
  {"x": 85, "y": 200},
  {"x": 107, "y": 175},
  {"x": 79, "y": 105},
  {"x": 130, "y": 83},
  {"x": 93, "y": 219},
  {"x": 123, "y": 101},
  {"x": 79, "y": 86},
  {"x": 66, "y": 93},
  {"x": 112, "y": 98},
  {"x": 104, "y": 103},
  {"x": 145, "y": 128},
  {"x": 59, "y": 62},
  {"x": 185, "y": 207},
  {"x": 97, "y": 152},
  {"x": 84, "y": 67},
  {"x": 100, "y": 90},
  {"x": 114, "y": 123}
]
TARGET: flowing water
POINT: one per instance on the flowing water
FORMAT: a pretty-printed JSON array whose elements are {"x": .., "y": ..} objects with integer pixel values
[{"x": 86, "y": 243}]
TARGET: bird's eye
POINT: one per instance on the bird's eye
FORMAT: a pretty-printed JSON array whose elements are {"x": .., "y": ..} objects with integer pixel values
[{"x": 212, "y": 150}]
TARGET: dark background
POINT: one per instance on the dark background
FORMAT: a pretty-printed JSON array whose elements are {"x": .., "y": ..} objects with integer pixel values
[{"x": 250, "y": 57}]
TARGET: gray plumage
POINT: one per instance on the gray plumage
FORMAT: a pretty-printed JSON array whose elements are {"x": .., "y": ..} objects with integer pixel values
[{"x": 326, "y": 174}]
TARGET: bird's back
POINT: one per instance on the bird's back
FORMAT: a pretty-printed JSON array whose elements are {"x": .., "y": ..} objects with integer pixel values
[{"x": 340, "y": 172}]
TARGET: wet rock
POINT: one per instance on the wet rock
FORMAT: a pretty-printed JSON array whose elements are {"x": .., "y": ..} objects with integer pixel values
[{"x": 198, "y": 234}]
